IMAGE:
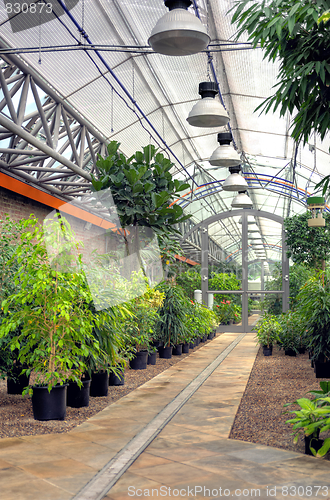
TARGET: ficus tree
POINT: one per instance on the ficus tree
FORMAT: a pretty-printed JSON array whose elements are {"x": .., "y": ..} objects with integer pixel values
[
  {"x": 143, "y": 190},
  {"x": 291, "y": 31},
  {"x": 307, "y": 245}
]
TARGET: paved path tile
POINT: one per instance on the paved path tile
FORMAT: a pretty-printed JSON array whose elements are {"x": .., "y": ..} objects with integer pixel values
[{"x": 192, "y": 455}]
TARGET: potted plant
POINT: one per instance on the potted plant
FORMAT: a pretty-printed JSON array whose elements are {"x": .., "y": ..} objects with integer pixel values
[
  {"x": 140, "y": 328},
  {"x": 310, "y": 420},
  {"x": 171, "y": 324},
  {"x": 52, "y": 311},
  {"x": 293, "y": 332},
  {"x": 314, "y": 305},
  {"x": 267, "y": 329}
]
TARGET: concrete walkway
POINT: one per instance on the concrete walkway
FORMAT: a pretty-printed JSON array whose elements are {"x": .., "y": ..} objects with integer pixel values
[{"x": 167, "y": 439}]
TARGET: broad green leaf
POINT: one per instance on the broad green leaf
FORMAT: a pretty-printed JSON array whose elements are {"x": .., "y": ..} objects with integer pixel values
[{"x": 131, "y": 175}]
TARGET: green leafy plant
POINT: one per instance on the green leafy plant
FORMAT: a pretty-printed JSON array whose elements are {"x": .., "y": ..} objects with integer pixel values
[
  {"x": 268, "y": 329},
  {"x": 141, "y": 326},
  {"x": 291, "y": 32},
  {"x": 190, "y": 281},
  {"x": 310, "y": 420},
  {"x": 307, "y": 245},
  {"x": 314, "y": 307},
  {"x": 50, "y": 312},
  {"x": 171, "y": 325},
  {"x": 293, "y": 332},
  {"x": 143, "y": 192},
  {"x": 223, "y": 281}
]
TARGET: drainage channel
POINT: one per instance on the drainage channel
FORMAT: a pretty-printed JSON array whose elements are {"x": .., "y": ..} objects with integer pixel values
[{"x": 106, "y": 478}]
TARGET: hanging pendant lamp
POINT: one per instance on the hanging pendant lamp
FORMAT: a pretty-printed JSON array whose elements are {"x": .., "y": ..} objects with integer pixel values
[
  {"x": 235, "y": 182},
  {"x": 225, "y": 155},
  {"x": 208, "y": 112},
  {"x": 242, "y": 200},
  {"x": 179, "y": 32}
]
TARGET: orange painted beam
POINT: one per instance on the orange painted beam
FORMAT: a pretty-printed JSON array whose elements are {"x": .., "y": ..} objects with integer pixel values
[
  {"x": 185, "y": 259},
  {"x": 33, "y": 193}
]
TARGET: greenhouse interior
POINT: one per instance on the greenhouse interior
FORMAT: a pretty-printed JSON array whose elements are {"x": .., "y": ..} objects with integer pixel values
[{"x": 164, "y": 250}]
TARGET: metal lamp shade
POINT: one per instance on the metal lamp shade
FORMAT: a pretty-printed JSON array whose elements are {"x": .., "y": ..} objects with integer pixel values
[
  {"x": 208, "y": 112},
  {"x": 234, "y": 182},
  {"x": 179, "y": 33},
  {"x": 242, "y": 200},
  {"x": 225, "y": 156}
]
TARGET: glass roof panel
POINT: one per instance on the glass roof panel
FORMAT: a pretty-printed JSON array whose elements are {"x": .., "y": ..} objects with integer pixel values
[{"x": 154, "y": 94}]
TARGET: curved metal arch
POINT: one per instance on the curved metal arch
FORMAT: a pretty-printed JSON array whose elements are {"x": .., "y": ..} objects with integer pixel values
[
  {"x": 203, "y": 196},
  {"x": 232, "y": 213},
  {"x": 244, "y": 213}
]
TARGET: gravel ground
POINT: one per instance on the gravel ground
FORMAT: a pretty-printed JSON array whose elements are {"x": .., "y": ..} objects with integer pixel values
[
  {"x": 16, "y": 416},
  {"x": 274, "y": 381}
]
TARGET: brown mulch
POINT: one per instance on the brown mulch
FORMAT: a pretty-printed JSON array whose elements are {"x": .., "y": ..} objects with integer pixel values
[
  {"x": 16, "y": 416},
  {"x": 274, "y": 381}
]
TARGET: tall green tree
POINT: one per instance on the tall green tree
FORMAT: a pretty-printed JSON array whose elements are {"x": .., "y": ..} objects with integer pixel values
[
  {"x": 307, "y": 245},
  {"x": 143, "y": 191},
  {"x": 289, "y": 30}
]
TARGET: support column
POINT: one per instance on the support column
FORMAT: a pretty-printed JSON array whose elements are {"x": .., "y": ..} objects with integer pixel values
[
  {"x": 205, "y": 263},
  {"x": 245, "y": 272},
  {"x": 285, "y": 274}
]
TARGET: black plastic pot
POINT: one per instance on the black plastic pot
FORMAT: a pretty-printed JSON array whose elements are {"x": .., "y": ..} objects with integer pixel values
[
  {"x": 290, "y": 352},
  {"x": 301, "y": 350},
  {"x": 191, "y": 345},
  {"x": 78, "y": 397},
  {"x": 165, "y": 352},
  {"x": 177, "y": 350},
  {"x": 116, "y": 380},
  {"x": 16, "y": 386},
  {"x": 322, "y": 369},
  {"x": 204, "y": 339},
  {"x": 316, "y": 443},
  {"x": 210, "y": 335},
  {"x": 152, "y": 356},
  {"x": 49, "y": 405},
  {"x": 99, "y": 384},
  {"x": 185, "y": 348},
  {"x": 157, "y": 343},
  {"x": 267, "y": 351},
  {"x": 140, "y": 360},
  {"x": 197, "y": 341}
]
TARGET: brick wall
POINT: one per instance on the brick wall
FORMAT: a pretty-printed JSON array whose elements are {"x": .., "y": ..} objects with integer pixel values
[{"x": 20, "y": 207}]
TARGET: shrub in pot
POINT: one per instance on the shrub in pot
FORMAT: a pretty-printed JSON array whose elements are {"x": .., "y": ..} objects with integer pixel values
[
  {"x": 314, "y": 305},
  {"x": 10, "y": 367},
  {"x": 311, "y": 420},
  {"x": 140, "y": 327},
  {"x": 171, "y": 325},
  {"x": 267, "y": 332},
  {"x": 51, "y": 308},
  {"x": 292, "y": 333},
  {"x": 113, "y": 355}
]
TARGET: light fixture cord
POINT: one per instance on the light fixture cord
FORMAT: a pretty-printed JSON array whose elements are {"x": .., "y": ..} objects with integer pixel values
[
  {"x": 111, "y": 109},
  {"x": 133, "y": 83},
  {"x": 82, "y": 20},
  {"x": 163, "y": 123},
  {"x": 39, "y": 61}
]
